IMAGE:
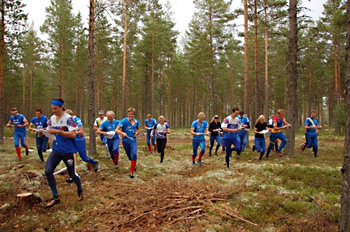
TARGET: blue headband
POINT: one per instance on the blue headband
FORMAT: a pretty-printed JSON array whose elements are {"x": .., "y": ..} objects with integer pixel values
[{"x": 56, "y": 103}]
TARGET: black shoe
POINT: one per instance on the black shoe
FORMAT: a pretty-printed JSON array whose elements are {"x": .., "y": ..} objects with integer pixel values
[
  {"x": 209, "y": 153},
  {"x": 254, "y": 148},
  {"x": 132, "y": 175},
  {"x": 27, "y": 152},
  {"x": 95, "y": 166},
  {"x": 70, "y": 180},
  {"x": 315, "y": 155},
  {"x": 53, "y": 202},
  {"x": 116, "y": 166}
]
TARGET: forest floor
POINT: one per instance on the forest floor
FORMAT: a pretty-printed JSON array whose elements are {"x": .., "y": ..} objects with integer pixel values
[{"x": 293, "y": 193}]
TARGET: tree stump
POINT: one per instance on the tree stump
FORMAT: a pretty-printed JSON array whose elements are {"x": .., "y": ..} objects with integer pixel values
[{"x": 27, "y": 200}]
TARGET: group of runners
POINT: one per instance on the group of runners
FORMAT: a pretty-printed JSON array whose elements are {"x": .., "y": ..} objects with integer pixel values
[
  {"x": 67, "y": 133},
  {"x": 232, "y": 134}
]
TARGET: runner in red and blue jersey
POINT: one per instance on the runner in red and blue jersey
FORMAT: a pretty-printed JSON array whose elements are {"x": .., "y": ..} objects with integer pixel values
[
  {"x": 129, "y": 128},
  {"x": 20, "y": 123},
  {"x": 277, "y": 134}
]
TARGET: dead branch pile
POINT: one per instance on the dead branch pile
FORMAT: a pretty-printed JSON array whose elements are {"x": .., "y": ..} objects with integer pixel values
[{"x": 168, "y": 205}]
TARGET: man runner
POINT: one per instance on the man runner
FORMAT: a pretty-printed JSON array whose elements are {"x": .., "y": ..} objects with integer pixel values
[
  {"x": 40, "y": 123},
  {"x": 20, "y": 123},
  {"x": 199, "y": 128}
]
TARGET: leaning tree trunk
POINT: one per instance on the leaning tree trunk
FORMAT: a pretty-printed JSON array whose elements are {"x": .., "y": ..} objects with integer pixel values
[
  {"x": 2, "y": 69},
  {"x": 92, "y": 141},
  {"x": 292, "y": 107},
  {"x": 345, "y": 196},
  {"x": 246, "y": 67},
  {"x": 124, "y": 57}
]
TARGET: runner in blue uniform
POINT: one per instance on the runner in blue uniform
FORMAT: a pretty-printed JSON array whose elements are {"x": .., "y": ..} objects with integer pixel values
[
  {"x": 20, "y": 123},
  {"x": 149, "y": 125},
  {"x": 113, "y": 142},
  {"x": 129, "y": 128},
  {"x": 199, "y": 128},
  {"x": 64, "y": 128},
  {"x": 40, "y": 122},
  {"x": 80, "y": 141},
  {"x": 243, "y": 134},
  {"x": 312, "y": 125}
]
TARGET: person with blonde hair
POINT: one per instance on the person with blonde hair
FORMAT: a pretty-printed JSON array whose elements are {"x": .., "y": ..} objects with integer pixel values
[
  {"x": 198, "y": 129},
  {"x": 161, "y": 129},
  {"x": 259, "y": 140},
  {"x": 214, "y": 129},
  {"x": 129, "y": 128},
  {"x": 276, "y": 133}
]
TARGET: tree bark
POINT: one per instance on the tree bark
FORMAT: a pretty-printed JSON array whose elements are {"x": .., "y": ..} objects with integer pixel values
[
  {"x": 2, "y": 69},
  {"x": 169, "y": 98},
  {"x": 124, "y": 58},
  {"x": 257, "y": 110},
  {"x": 246, "y": 67},
  {"x": 152, "y": 66},
  {"x": 344, "y": 225},
  {"x": 92, "y": 141},
  {"x": 31, "y": 85},
  {"x": 266, "y": 68},
  {"x": 212, "y": 109},
  {"x": 24, "y": 91},
  {"x": 292, "y": 98}
]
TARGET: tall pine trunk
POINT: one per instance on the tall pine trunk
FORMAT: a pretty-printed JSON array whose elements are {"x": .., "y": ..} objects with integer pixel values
[
  {"x": 31, "y": 85},
  {"x": 212, "y": 109},
  {"x": 344, "y": 225},
  {"x": 168, "y": 77},
  {"x": 292, "y": 107},
  {"x": 266, "y": 67},
  {"x": 152, "y": 66},
  {"x": 92, "y": 141},
  {"x": 124, "y": 57},
  {"x": 24, "y": 91},
  {"x": 246, "y": 67},
  {"x": 2, "y": 69},
  {"x": 257, "y": 110}
]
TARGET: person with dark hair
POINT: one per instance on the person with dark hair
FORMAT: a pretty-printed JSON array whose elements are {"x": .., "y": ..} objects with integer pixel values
[
  {"x": 112, "y": 142},
  {"x": 148, "y": 125},
  {"x": 161, "y": 129},
  {"x": 312, "y": 125},
  {"x": 129, "y": 128},
  {"x": 40, "y": 123},
  {"x": 98, "y": 122},
  {"x": 20, "y": 123},
  {"x": 231, "y": 125},
  {"x": 63, "y": 127},
  {"x": 243, "y": 135},
  {"x": 214, "y": 129},
  {"x": 80, "y": 141}
]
